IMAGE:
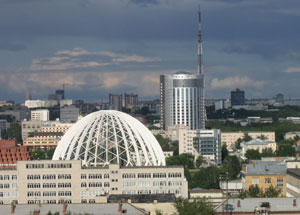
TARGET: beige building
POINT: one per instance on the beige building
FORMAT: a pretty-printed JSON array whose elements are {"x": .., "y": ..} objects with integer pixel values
[
  {"x": 40, "y": 115},
  {"x": 43, "y": 140},
  {"x": 50, "y": 182},
  {"x": 258, "y": 144},
  {"x": 291, "y": 135},
  {"x": 185, "y": 139},
  {"x": 57, "y": 127},
  {"x": 230, "y": 138},
  {"x": 265, "y": 174}
]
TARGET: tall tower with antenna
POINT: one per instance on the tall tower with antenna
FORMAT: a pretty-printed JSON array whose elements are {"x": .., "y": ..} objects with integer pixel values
[{"x": 202, "y": 114}]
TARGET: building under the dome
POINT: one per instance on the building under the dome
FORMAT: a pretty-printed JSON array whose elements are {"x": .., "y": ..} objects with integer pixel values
[{"x": 110, "y": 137}]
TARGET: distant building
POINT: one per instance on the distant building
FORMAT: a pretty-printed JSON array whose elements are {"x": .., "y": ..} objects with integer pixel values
[
  {"x": 279, "y": 97},
  {"x": 40, "y": 115},
  {"x": 185, "y": 139},
  {"x": 3, "y": 128},
  {"x": 258, "y": 144},
  {"x": 115, "y": 102},
  {"x": 60, "y": 94},
  {"x": 265, "y": 174},
  {"x": 222, "y": 104},
  {"x": 291, "y": 135},
  {"x": 207, "y": 143},
  {"x": 43, "y": 139},
  {"x": 182, "y": 100},
  {"x": 69, "y": 114},
  {"x": 230, "y": 138},
  {"x": 17, "y": 115},
  {"x": 29, "y": 127},
  {"x": 10, "y": 153},
  {"x": 173, "y": 131},
  {"x": 237, "y": 97},
  {"x": 234, "y": 187},
  {"x": 131, "y": 101}
]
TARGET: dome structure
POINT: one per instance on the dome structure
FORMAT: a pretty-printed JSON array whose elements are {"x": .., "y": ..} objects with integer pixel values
[{"x": 110, "y": 137}]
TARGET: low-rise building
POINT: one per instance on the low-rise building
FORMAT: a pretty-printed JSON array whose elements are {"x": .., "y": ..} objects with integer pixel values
[
  {"x": 265, "y": 174},
  {"x": 230, "y": 138},
  {"x": 29, "y": 127},
  {"x": 291, "y": 135},
  {"x": 43, "y": 139},
  {"x": 234, "y": 187},
  {"x": 69, "y": 114},
  {"x": 48, "y": 181},
  {"x": 258, "y": 144},
  {"x": 10, "y": 153}
]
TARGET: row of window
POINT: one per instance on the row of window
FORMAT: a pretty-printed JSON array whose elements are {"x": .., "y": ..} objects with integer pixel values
[
  {"x": 94, "y": 176},
  {"x": 154, "y": 175},
  {"x": 93, "y": 193},
  {"x": 150, "y": 183},
  {"x": 7, "y": 177},
  {"x": 49, "y": 166},
  {"x": 94, "y": 184},
  {"x": 174, "y": 191},
  {"x": 8, "y": 194},
  {"x": 68, "y": 201}
]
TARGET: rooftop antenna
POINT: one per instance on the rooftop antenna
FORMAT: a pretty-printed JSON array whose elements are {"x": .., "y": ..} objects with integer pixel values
[{"x": 200, "y": 52}]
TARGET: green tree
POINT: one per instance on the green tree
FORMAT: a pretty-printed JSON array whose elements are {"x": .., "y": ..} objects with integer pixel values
[
  {"x": 262, "y": 137},
  {"x": 163, "y": 142},
  {"x": 267, "y": 152},
  {"x": 272, "y": 192},
  {"x": 199, "y": 161},
  {"x": 39, "y": 154},
  {"x": 186, "y": 160},
  {"x": 238, "y": 143},
  {"x": 224, "y": 152},
  {"x": 254, "y": 191},
  {"x": 246, "y": 137},
  {"x": 197, "y": 207},
  {"x": 14, "y": 132},
  {"x": 206, "y": 178},
  {"x": 252, "y": 154},
  {"x": 285, "y": 150},
  {"x": 232, "y": 165}
]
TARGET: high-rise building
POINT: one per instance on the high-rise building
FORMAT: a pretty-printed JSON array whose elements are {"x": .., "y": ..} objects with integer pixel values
[
  {"x": 115, "y": 102},
  {"x": 237, "y": 97},
  {"x": 180, "y": 99},
  {"x": 60, "y": 94},
  {"x": 69, "y": 114},
  {"x": 182, "y": 95},
  {"x": 131, "y": 100}
]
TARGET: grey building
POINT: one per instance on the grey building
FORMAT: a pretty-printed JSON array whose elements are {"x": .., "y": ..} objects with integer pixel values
[
  {"x": 181, "y": 100},
  {"x": 3, "y": 128},
  {"x": 115, "y": 102},
  {"x": 207, "y": 143},
  {"x": 69, "y": 114},
  {"x": 237, "y": 97}
]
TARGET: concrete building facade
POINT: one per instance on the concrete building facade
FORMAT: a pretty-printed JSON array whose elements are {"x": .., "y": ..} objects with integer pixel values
[
  {"x": 50, "y": 182},
  {"x": 40, "y": 115},
  {"x": 69, "y": 114}
]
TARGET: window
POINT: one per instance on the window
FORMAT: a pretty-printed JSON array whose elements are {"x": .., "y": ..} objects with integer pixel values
[
  {"x": 83, "y": 176},
  {"x": 267, "y": 180},
  {"x": 83, "y": 184},
  {"x": 255, "y": 181}
]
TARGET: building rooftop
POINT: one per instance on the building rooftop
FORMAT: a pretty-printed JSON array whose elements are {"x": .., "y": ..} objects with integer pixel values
[
  {"x": 266, "y": 168},
  {"x": 247, "y": 206},
  {"x": 258, "y": 142},
  {"x": 111, "y": 208}
]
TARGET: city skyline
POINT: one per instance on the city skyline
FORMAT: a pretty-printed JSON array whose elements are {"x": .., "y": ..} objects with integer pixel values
[{"x": 125, "y": 45}]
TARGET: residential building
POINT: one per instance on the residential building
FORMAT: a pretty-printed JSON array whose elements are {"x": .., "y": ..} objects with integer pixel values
[
  {"x": 233, "y": 187},
  {"x": 40, "y": 115},
  {"x": 291, "y": 135},
  {"x": 10, "y": 153},
  {"x": 17, "y": 115},
  {"x": 186, "y": 141},
  {"x": 258, "y": 144},
  {"x": 131, "y": 101},
  {"x": 237, "y": 97},
  {"x": 51, "y": 182},
  {"x": 43, "y": 139},
  {"x": 69, "y": 114},
  {"x": 115, "y": 102},
  {"x": 3, "y": 128},
  {"x": 56, "y": 127},
  {"x": 207, "y": 143},
  {"x": 230, "y": 138},
  {"x": 173, "y": 131},
  {"x": 265, "y": 174},
  {"x": 29, "y": 127}
]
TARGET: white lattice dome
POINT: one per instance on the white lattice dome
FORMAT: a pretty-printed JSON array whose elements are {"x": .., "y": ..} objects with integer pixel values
[{"x": 110, "y": 137}]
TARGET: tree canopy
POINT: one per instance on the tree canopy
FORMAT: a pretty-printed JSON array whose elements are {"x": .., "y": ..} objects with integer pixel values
[{"x": 197, "y": 207}]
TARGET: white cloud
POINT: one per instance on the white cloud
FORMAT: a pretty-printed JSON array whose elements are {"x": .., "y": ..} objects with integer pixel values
[
  {"x": 292, "y": 69},
  {"x": 77, "y": 58},
  {"x": 233, "y": 82}
]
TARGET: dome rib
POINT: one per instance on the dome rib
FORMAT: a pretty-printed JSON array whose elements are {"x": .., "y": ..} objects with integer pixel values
[{"x": 110, "y": 137}]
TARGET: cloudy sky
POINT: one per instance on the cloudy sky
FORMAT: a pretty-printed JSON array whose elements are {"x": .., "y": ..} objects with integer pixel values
[{"x": 118, "y": 46}]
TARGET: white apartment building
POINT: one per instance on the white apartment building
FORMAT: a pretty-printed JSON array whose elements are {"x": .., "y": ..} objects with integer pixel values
[
  {"x": 230, "y": 138},
  {"x": 258, "y": 144},
  {"x": 50, "y": 182},
  {"x": 185, "y": 139},
  {"x": 40, "y": 115}
]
